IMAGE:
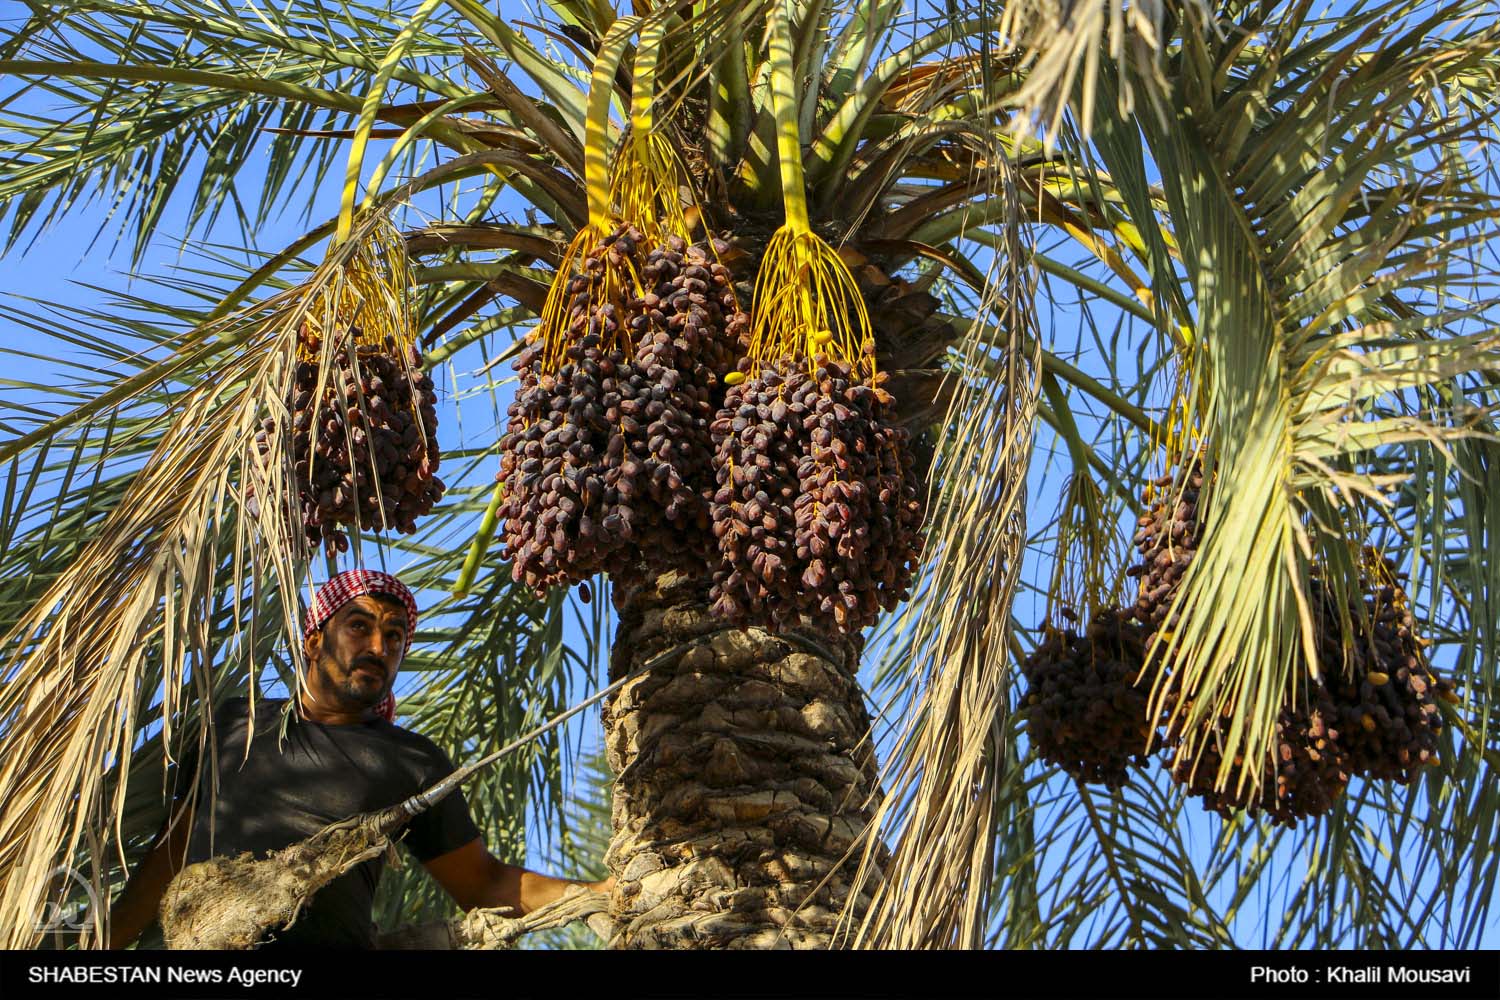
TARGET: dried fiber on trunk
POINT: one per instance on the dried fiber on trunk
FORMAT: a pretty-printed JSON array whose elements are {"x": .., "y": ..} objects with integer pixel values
[
  {"x": 743, "y": 778},
  {"x": 499, "y": 928}
]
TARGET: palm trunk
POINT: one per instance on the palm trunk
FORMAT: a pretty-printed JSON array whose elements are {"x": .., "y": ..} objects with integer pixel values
[{"x": 744, "y": 776}]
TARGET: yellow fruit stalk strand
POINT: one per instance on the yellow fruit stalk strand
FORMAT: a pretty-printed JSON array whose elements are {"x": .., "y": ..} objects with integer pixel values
[
  {"x": 1184, "y": 440},
  {"x": 369, "y": 297},
  {"x": 619, "y": 280},
  {"x": 647, "y": 176},
  {"x": 651, "y": 185},
  {"x": 806, "y": 301}
]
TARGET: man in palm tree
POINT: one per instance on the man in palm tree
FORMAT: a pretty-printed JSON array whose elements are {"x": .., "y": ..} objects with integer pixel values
[{"x": 340, "y": 754}]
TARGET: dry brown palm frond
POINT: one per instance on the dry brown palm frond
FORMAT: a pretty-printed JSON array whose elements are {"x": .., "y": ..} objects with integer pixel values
[
  {"x": 925, "y": 84},
  {"x": 1060, "y": 43},
  {"x": 142, "y": 590},
  {"x": 941, "y": 778}
]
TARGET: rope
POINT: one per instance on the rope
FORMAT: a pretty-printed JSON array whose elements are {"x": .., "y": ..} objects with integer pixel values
[{"x": 422, "y": 801}]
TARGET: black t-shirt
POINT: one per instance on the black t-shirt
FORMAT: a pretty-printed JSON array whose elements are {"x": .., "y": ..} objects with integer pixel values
[{"x": 291, "y": 786}]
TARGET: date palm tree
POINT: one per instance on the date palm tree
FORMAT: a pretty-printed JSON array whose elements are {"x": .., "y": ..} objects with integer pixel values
[{"x": 1089, "y": 237}]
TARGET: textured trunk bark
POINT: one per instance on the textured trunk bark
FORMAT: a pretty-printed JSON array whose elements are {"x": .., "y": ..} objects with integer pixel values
[{"x": 743, "y": 778}]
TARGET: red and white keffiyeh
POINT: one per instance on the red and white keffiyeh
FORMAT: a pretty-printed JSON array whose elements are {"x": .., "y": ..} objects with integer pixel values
[{"x": 355, "y": 583}]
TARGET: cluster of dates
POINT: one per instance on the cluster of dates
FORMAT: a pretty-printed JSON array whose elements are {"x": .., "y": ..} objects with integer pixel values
[
  {"x": 364, "y": 441},
  {"x": 1373, "y": 713},
  {"x": 1383, "y": 688},
  {"x": 604, "y": 457},
  {"x": 1086, "y": 700},
  {"x": 634, "y": 453},
  {"x": 817, "y": 513}
]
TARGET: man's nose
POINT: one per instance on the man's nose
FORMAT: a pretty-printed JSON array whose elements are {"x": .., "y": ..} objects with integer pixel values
[{"x": 378, "y": 643}]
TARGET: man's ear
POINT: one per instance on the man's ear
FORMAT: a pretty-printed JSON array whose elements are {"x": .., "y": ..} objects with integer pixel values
[{"x": 313, "y": 645}]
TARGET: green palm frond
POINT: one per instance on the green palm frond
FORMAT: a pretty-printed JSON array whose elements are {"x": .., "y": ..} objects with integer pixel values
[
  {"x": 127, "y": 102},
  {"x": 1389, "y": 291},
  {"x": 1321, "y": 299}
]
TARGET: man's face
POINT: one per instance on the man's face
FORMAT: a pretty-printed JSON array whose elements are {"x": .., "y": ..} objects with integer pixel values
[{"x": 356, "y": 655}]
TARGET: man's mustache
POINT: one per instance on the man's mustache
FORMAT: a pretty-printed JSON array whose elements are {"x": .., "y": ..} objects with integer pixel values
[{"x": 374, "y": 662}]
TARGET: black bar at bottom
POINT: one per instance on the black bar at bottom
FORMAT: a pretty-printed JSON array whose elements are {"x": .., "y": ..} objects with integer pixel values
[{"x": 516, "y": 975}]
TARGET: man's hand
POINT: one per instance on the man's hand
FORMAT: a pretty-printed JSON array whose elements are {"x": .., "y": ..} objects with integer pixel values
[
  {"x": 484, "y": 929},
  {"x": 475, "y": 877}
]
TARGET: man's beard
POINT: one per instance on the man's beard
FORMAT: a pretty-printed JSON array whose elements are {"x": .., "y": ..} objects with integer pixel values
[{"x": 351, "y": 688}]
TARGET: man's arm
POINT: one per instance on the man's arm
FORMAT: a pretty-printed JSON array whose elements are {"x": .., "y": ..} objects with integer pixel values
[
  {"x": 137, "y": 905},
  {"x": 475, "y": 877}
]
